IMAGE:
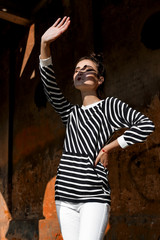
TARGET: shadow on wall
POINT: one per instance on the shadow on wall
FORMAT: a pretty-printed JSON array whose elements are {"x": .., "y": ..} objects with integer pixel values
[
  {"x": 23, "y": 230},
  {"x": 37, "y": 142},
  {"x": 33, "y": 212},
  {"x": 35, "y": 162},
  {"x": 33, "y": 208},
  {"x": 135, "y": 187}
]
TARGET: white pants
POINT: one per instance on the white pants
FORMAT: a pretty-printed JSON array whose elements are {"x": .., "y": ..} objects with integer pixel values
[{"x": 84, "y": 221}]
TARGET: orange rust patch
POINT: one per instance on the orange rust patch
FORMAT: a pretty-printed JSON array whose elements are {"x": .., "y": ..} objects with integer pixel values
[
  {"x": 107, "y": 229},
  {"x": 49, "y": 207},
  {"x": 58, "y": 236}
]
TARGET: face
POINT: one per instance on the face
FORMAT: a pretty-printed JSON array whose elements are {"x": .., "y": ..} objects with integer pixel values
[{"x": 86, "y": 75}]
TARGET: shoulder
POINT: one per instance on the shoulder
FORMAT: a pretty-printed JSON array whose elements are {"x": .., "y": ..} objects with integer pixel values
[
  {"x": 113, "y": 105},
  {"x": 74, "y": 108},
  {"x": 111, "y": 101},
  {"x": 114, "y": 101}
]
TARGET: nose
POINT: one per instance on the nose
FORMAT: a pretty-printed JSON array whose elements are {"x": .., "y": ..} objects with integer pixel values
[{"x": 80, "y": 72}]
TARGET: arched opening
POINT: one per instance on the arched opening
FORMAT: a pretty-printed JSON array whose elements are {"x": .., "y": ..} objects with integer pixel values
[{"x": 150, "y": 36}]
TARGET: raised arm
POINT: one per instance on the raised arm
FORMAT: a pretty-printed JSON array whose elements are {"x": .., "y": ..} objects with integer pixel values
[
  {"x": 54, "y": 32},
  {"x": 51, "y": 89}
]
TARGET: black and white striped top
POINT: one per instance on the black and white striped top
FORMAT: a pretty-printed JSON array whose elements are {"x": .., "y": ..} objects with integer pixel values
[{"x": 88, "y": 129}]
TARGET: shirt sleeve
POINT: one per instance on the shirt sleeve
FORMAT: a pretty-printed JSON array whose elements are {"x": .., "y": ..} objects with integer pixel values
[
  {"x": 52, "y": 91},
  {"x": 120, "y": 115}
]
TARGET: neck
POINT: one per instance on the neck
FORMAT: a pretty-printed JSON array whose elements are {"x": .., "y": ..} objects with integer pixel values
[{"x": 89, "y": 97}]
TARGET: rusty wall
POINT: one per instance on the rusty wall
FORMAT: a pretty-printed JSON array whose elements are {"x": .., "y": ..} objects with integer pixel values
[{"x": 32, "y": 133}]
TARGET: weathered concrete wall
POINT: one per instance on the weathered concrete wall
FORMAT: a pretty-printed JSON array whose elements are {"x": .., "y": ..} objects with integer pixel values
[
  {"x": 133, "y": 76},
  {"x": 4, "y": 132},
  {"x": 134, "y": 178},
  {"x": 35, "y": 133}
]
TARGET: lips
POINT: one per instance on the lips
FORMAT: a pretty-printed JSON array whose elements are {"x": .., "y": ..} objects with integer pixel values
[{"x": 79, "y": 78}]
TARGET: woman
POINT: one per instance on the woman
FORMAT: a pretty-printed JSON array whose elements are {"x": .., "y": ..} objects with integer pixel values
[{"x": 82, "y": 191}]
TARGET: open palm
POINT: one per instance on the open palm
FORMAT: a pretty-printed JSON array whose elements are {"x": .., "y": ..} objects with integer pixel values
[{"x": 55, "y": 31}]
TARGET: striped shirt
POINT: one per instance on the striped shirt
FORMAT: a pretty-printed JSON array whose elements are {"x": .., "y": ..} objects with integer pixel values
[{"x": 88, "y": 129}]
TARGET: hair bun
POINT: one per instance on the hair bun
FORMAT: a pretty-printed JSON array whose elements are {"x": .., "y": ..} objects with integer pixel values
[{"x": 98, "y": 57}]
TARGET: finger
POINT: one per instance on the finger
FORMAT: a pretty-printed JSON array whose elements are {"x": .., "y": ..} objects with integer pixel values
[
  {"x": 105, "y": 164},
  {"x": 104, "y": 160},
  {"x": 65, "y": 26},
  {"x": 97, "y": 160},
  {"x": 101, "y": 161},
  {"x": 62, "y": 22},
  {"x": 55, "y": 24}
]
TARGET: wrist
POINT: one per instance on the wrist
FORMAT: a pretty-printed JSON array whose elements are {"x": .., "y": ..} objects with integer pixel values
[
  {"x": 111, "y": 146},
  {"x": 44, "y": 42},
  {"x": 104, "y": 150},
  {"x": 45, "y": 49}
]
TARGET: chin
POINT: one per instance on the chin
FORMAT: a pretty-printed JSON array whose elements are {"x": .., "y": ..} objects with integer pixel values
[
  {"x": 85, "y": 88},
  {"x": 88, "y": 84}
]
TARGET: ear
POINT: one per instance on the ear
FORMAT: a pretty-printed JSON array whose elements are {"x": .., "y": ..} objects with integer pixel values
[{"x": 101, "y": 80}]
